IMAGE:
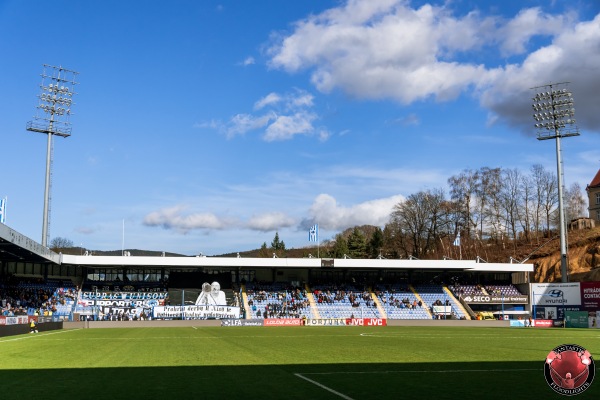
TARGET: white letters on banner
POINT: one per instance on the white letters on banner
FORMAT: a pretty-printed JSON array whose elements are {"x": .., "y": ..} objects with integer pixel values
[{"x": 196, "y": 312}]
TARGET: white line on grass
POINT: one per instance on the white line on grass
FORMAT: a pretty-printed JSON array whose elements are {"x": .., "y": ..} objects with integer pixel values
[
  {"x": 343, "y": 396},
  {"x": 418, "y": 371},
  {"x": 34, "y": 335}
]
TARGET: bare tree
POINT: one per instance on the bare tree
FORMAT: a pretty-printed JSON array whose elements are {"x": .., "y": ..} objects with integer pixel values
[
  {"x": 509, "y": 200},
  {"x": 489, "y": 189},
  {"x": 61, "y": 243},
  {"x": 525, "y": 210},
  {"x": 463, "y": 189},
  {"x": 421, "y": 218},
  {"x": 575, "y": 203}
]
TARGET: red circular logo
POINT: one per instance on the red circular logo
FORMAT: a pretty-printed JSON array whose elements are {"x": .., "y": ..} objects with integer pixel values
[{"x": 569, "y": 369}]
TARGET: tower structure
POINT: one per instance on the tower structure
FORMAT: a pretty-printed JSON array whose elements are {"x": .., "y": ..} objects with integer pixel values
[{"x": 52, "y": 118}]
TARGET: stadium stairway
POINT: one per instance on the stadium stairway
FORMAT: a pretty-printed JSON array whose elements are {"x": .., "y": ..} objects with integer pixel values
[
  {"x": 378, "y": 304},
  {"x": 418, "y": 296},
  {"x": 311, "y": 301},
  {"x": 245, "y": 302},
  {"x": 456, "y": 301}
]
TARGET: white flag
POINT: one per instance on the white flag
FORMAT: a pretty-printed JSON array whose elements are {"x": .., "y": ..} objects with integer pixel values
[
  {"x": 3, "y": 210},
  {"x": 457, "y": 240},
  {"x": 313, "y": 233}
]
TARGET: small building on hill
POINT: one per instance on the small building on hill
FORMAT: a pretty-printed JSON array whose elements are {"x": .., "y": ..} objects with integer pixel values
[
  {"x": 581, "y": 223},
  {"x": 593, "y": 191}
]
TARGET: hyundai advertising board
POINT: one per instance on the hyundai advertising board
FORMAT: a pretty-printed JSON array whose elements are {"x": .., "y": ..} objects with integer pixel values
[{"x": 556, "y": 294}]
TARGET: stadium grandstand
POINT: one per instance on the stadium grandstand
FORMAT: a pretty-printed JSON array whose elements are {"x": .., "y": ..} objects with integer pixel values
[{"x": 36, "y": 281}]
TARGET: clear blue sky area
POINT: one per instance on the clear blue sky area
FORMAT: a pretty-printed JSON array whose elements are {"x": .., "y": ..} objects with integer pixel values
[{"x": 207, "y": 126}]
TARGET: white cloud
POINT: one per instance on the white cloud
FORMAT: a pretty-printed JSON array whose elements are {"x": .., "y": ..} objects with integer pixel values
[
  {"x": 174, "y": 218},
  {"x": 386, "y": 49},
  {"x": 530, "y": 22},
  {"x": 287, "y": 126},
  {"x": 332, "y": 216},
  {"x": 242, "y": 123},
  {"x": 382, "y": 49},
  {"x": 573, "y": 56},
  {"x": 283, "y": 117},
  {"x": 270, "y": 99},
  {"x": 270, "y": 222},
  {"x": 249, "y": 61}
]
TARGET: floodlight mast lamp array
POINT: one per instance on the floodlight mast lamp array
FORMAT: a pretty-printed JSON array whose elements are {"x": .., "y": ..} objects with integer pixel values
[
  {"x": 52, "y": 118},
  {"x": 554, "y": 115}
]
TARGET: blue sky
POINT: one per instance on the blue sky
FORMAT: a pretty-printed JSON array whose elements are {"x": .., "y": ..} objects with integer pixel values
[{"x": 207, "y": 126}]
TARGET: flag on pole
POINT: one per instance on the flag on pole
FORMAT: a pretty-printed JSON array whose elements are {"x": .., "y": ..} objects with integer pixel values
[
  {"x": 313, "y": 233},
  {"x": 457, "y": 240},
  {"x": 3, "y": 210}
]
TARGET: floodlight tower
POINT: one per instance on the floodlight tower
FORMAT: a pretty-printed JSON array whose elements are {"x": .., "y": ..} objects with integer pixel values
[
  {"x": 52, "y": 118},
  {"x": 554, "y": 115}
]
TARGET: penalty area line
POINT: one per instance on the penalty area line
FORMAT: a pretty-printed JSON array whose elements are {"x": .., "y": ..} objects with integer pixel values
[{"x": 343, "y": 396}]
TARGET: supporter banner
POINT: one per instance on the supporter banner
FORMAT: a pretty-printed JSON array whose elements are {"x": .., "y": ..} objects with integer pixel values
[
  {"x": 495, "y": 299},
  {"x": 326, "y": 322},
  {"x": 195, "y": 312},
  {"x": 556, "y": 294},
  {"x": 124, "y": 295},
  {"x": 282, "y": 322},
  {"x": 116, "y": 307},
  {"x": 242, "y": 322},
  {"x": 590, "y": 295}
]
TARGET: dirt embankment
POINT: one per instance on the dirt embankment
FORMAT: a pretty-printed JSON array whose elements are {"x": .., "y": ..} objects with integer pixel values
[{"x": 583, "y": 258}]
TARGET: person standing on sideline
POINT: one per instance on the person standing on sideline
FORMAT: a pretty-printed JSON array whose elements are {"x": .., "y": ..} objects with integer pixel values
[{"x": 33, "y": 327}]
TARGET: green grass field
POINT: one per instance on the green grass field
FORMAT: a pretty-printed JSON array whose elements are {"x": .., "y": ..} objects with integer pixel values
[{"x": 286, "y": 363}]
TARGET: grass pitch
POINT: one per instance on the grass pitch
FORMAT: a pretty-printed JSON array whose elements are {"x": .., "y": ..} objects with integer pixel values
[{"x": 286, "y": 363}]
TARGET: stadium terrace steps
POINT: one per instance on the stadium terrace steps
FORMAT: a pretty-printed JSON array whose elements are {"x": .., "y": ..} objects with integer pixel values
[
  {"x": 378, "y": 303},
  {"x": 418, "y": 296},
  {"x": 312, "y": 302},
  {"x": 457, "y": 302}
]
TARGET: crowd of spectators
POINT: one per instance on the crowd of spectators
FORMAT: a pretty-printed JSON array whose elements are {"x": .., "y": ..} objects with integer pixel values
[
  {"x": 34, "y": 296},
  {"x": 277, "y": 300}
]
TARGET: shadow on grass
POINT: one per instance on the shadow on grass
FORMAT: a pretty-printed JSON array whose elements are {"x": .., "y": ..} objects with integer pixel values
[{"x": 489, "y": 381}]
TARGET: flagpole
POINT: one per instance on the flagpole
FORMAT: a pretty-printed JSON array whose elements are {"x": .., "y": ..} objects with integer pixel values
[{"x": 123, "y": 240}]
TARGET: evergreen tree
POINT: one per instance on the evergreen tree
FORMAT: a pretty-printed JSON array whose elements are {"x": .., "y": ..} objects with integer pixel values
[
  {"x": 340, "y": 247},
  {"x": 278, "y": 246},
  {"x": 357, "y": 244},
  {"x": 376, "y": 243}
]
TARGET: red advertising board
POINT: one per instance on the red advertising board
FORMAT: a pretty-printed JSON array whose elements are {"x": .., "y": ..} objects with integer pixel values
[
  {"x": 375, "y": 322},
  {"x": 355, "y": 321},
  {"x": 366, "y": 321},
  {"x": 590, "y": 295},
  {"x": 282, "y": 322},
  {"x": 543, "y": 323}
]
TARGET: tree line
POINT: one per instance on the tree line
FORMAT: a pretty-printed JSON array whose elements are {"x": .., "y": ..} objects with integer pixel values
[{"x": 484, "y": 207}]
